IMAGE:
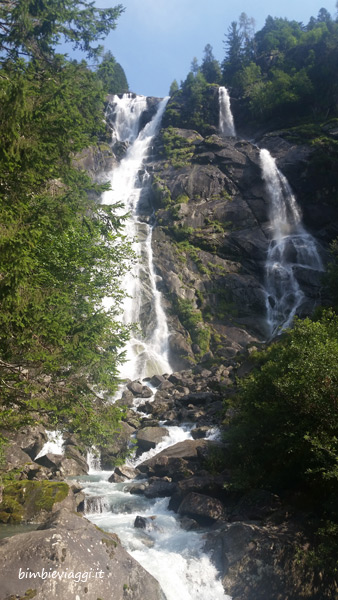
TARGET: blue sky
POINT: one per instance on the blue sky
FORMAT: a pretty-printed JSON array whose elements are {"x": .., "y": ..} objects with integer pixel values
[{"x": 156, "y": 40}]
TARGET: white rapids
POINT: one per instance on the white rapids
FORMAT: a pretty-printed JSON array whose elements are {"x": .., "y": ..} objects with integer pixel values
[{"x": 291, "y": 248}]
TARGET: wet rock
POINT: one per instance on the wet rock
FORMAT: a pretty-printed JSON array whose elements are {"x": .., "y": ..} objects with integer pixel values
[
  {"x": 127, "y": 399},
  {"x": 138, "y": 488},
  {"x": 140, "y": 522},
  {"x": 204, "y": 509},
  {"x": 160, "y": 489},
  {"x": 166, "y": 385},
  {"x": 69, "y": 543},
  {"x": 198, "y": 398},
  {"x": 126, "y": 472},
  {"x": 188, "y": 524},
  {"x": 137, "y": 389},
  {"x": 156, "y": 380},
  {"x": 178, "y": 461},
  {"x": 149, "y": 437},
  {"x": 200, "y": 432}
]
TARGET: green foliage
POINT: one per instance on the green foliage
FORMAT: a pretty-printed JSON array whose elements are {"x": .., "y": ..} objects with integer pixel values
[
  {"x": 178, "y": 149},
  {"x": 285, "y": 432},
  {"x": 112, "y": 76},
  {"x": 324, "y": 555},
  {"x": 173, "y": 88},
  {"x": 193, "y": 106},
  {"x": 285, "y": 70},
  {"x": 35, "y": 28},
  {"x": 210, "y": 67},
  {"x": 61, "y": 253}
]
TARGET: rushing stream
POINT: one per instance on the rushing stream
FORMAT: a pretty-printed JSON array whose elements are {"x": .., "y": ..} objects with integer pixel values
[{"x": 171, "y": 554}]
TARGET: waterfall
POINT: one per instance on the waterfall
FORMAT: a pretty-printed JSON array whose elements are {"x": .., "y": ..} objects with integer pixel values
[
  {"x": 172, "y": 555},
  {"x": 226, "y": 120},
  {"x": 291, "y": 247},
  {"x": 147, "y": 352},
  {"x": 54, "y": 444}
]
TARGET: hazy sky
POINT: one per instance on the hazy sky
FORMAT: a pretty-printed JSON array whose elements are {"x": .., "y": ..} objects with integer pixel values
[{"x": 156, "y": 40}]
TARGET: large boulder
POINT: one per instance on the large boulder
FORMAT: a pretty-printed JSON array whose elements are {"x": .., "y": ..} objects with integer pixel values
[
  {"x": 204, "y": 509},
  {"x": 149, "y": 437},
  {"x": 257, "y": 562},
  {"x": 30, "y": 501},
  {"x": 178, "y": 461},
  {"x": 71, "y": 558},
  {"x": 64, "y": 465}
]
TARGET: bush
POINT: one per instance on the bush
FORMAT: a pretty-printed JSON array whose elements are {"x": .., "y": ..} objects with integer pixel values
[{"x": 285, "y": 432}]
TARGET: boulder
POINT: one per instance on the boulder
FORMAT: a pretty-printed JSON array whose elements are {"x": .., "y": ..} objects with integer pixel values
[
  {"x": 160, "y": 489},
  {"x": 263, "y": 562},
  {"x": 204, "y": 509},
  {"x": 149, "y": 437},
  {"x": 156, "y": 380},
  {"x": 178, "y": 461},
  {"x": 139, "y": 390},
  {"x": 207, "y": 484},
  {"x": 122, "y": 473},
  {"x": 118, "y": 448},
  {"x": 63, "y": 465},
  {"x": 30, "y": 501},
  {"x": 140, "y": 522},
  {"x": 30, "y": 439},
  {"x": 200, "y": 432},
  {"x": 84, "y": 562}
]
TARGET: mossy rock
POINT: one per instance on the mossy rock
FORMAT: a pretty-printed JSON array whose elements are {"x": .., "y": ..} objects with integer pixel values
[{"x": 24, "y": 500}]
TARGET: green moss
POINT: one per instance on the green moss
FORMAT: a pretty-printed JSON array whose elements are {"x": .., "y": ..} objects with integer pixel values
[
  {"x": 176, "y": 148},
  {"x": 23, "y": 500},
  {"x": 192, "y": 319},
  {"x": 161, "y": 192},
  {"x": 182, "y": 199}
]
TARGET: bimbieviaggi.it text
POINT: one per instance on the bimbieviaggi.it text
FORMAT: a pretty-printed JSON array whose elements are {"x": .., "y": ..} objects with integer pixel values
[{"x": 78, "y": 576}]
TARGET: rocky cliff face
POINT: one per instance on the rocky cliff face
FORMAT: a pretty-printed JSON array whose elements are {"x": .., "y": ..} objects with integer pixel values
[{"x": 210, "y": 241}]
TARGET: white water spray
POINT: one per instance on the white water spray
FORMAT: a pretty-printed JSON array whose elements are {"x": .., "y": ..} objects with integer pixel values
[
  {"x": 148, "y": 350},
  {"x": 226, "y": 120},
  {"x": 54, "y": 444},
  {"x": 290, "y": 248}
]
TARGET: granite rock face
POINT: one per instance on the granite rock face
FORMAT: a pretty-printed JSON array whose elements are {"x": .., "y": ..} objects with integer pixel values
[
  {"x": 211, "y": 237},
  {"x": 71, "y": 558}
]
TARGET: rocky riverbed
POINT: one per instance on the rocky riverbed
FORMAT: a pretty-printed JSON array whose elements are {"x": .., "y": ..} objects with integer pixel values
[{"x": 251, "y": 538}]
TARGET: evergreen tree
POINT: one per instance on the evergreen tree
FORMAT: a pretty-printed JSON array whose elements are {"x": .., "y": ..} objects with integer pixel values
[
  {"x": 112, "y": 75},
  {"x": 33, "y": 28},
  {"x": 210, "y": 67},
  {"x": 173, "y": 88},
  {"x": 61, "y": 252},
  {"x": 233, "y": 47}
]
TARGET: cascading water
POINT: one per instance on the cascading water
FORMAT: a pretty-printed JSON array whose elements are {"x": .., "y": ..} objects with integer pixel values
[
  {"x": 226, "y": 120},
  {"x": 148, "y": 349},
  {"x": 172, "y": 555},
  {"x": 290, "y": 248}
]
